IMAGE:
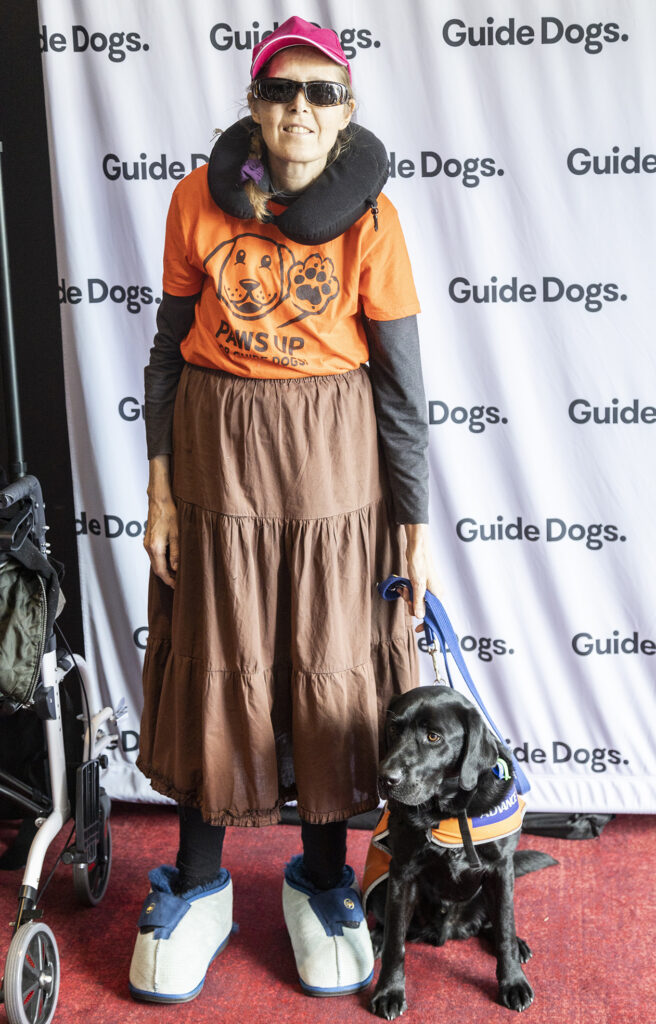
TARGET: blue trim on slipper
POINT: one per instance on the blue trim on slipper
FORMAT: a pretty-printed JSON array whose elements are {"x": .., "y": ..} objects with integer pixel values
[
  {"x": 163, "y": 879},
  {"x": 337, "y": 909},
  {"x": 314, "y": 990},
  {"x": 182, "y": 997},
  {"x": 296, "y": 877},
  {"x": 154, "y": 997},
  {"x": 220, "y": 882},
  {"x": 162, "y": 912},
  {"x": 163, "y": 909}
]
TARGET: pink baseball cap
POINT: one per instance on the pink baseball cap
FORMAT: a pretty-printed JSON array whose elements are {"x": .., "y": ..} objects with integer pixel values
[{"x": 297, "y": 32}]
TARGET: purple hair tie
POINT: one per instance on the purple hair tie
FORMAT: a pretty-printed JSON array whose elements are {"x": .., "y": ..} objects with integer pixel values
[{"x": 253, "y": 169}]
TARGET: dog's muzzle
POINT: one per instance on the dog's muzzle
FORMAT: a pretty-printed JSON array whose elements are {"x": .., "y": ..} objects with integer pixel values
[{"x": 388, "y": 782}]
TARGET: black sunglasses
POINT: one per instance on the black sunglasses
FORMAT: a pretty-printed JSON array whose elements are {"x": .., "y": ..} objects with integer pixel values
[{"x": 283, "y": 90}]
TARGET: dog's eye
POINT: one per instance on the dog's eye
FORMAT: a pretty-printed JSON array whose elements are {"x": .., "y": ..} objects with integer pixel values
[
  {"x": 433, "y": 737},
  {"x": 265, "y": 261},
  {"x": 241, "y": 256}
]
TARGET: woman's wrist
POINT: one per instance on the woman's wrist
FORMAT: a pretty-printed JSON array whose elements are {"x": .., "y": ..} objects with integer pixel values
[
  {"x": 420, "y": 564},
  {"x": 159, "y": 478},
  {"x": 415, "y": 533}
]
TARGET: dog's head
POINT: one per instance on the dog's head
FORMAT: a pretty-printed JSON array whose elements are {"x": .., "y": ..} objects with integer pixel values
[
  {"x": 252, "y": 275},
  {"x": 436, "y": 743}
]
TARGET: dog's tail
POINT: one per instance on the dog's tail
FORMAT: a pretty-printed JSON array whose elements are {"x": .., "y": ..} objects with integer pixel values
[{"x": 526, "y": 861}]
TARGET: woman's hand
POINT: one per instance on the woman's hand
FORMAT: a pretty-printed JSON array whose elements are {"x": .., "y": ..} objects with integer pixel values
[
  {"x": 161, "y": 539},
  {"x": 421, "y": 571}
]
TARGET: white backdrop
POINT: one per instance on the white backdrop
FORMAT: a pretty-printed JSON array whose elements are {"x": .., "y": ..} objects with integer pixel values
[{"x": 522, "y": 142}]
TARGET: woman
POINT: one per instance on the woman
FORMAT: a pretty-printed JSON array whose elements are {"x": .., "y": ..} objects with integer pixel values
[{"x": 270, "y": 658}]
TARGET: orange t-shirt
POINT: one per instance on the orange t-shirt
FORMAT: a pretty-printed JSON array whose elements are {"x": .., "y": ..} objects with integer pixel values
[{"x": 270, "y": 307}]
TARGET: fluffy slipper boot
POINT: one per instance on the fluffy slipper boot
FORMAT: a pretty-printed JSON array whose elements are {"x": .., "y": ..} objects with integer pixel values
[
  {"x": 179, "y": 936},
  {"x": 328, "y": 932}
]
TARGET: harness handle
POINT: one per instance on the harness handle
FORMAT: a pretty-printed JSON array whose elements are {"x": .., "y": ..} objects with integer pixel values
[{"x": 437, "y": 625}]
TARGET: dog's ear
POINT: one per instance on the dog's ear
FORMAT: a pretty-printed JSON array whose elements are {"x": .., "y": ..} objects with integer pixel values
[
  {"x": 480, "y": 752},
  {"x": 389, "y": 719}
]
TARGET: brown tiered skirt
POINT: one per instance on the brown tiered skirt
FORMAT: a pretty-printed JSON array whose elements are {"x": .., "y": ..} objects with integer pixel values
[{"x": 269, "y": 667}]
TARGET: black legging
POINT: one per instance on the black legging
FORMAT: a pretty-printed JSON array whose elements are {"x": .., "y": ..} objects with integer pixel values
[{"x": 201, "y": 845}]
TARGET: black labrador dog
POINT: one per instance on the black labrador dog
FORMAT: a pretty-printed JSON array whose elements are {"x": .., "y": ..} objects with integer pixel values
[{"x": 439, "y": 765}]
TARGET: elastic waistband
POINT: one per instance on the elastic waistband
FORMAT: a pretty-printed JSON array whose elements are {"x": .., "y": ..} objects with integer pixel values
[{"x": 225, "y": 374}]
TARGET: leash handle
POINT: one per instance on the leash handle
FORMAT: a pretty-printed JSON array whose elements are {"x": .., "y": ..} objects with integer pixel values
[{"x": 437, "y": 625}]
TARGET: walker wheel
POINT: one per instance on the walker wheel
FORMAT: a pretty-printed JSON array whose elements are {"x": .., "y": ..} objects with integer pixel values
[
  {"x": 31, "y": 983},
  {"x": 90, "y": 880}
]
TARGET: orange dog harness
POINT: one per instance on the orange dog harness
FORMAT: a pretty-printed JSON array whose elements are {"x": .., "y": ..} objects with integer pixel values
[{"x": 497, "y": 823}]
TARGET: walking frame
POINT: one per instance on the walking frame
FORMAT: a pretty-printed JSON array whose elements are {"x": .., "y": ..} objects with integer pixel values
[{"x": 30, "y": 985}]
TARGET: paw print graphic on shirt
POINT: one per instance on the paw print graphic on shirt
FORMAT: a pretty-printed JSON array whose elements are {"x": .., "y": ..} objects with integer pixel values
[{"x": 312, "y": 285}]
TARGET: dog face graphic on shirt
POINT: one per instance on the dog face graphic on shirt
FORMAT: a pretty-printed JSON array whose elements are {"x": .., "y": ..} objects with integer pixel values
[{"x": 253, "y": 274}]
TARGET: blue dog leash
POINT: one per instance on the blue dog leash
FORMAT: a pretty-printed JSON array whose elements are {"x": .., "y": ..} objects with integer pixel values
[{"x": 437, "y": 625}]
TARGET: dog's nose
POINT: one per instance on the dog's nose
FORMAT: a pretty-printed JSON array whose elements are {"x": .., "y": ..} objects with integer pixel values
[{"x": 390, "y": 779}]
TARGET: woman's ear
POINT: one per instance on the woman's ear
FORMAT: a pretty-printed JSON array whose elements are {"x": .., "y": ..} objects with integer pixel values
[
  {"x": 351, "y": 110},
  {"x": 252, "y": 106}
]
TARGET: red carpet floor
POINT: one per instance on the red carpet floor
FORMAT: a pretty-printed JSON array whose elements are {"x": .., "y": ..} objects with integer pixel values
[{"x": 590, "y": 922}]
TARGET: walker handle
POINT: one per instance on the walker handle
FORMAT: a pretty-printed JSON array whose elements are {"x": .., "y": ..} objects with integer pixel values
[{"x": 25, "y": 487}]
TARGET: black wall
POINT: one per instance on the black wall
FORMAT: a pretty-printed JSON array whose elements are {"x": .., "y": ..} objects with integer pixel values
[{"x": 33, "y": 267}]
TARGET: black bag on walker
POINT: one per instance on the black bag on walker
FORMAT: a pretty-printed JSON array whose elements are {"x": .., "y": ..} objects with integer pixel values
[
  {"x": 23, "y": 615},
  {"x": 30, "y": 599}
]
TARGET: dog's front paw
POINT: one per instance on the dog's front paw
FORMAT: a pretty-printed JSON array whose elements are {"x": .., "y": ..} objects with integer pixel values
[
  {"x": 524, "y": 950},
  {"x": 516, "y": 995},
  {"x": 388, "y": 1003}
]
